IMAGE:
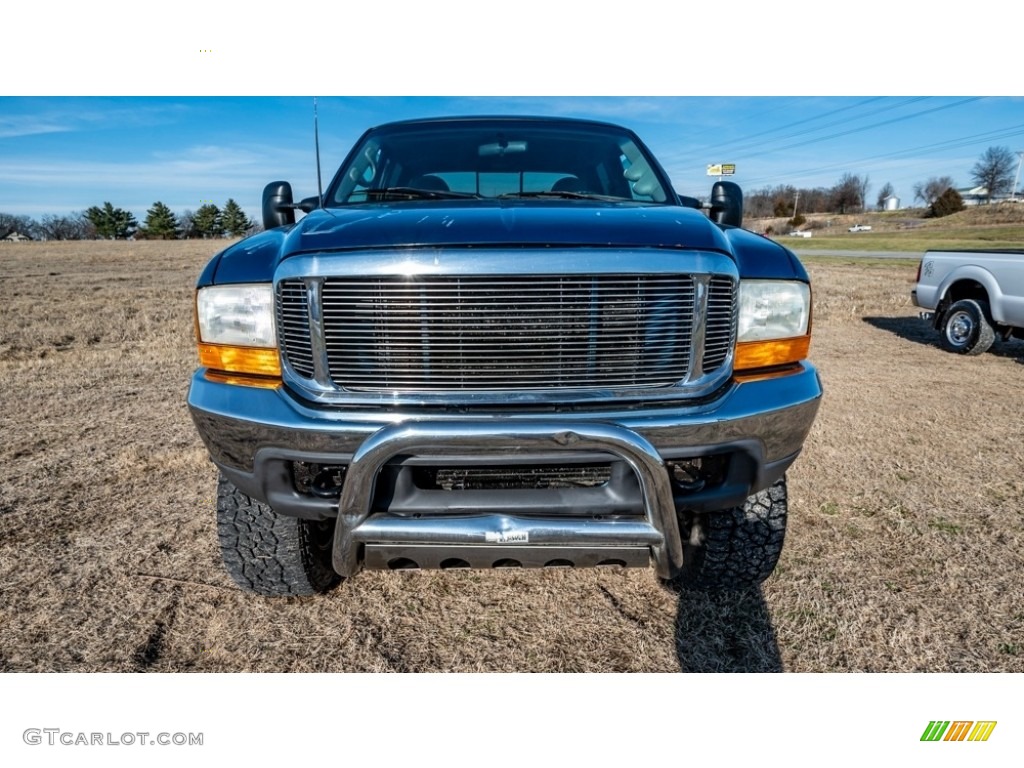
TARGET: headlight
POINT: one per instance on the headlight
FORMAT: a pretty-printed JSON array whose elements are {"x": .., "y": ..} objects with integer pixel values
[
  {"x": 236, "y": 329},
  {"x": 773, "y": 309},
  {"x": 774, "y": 324},
  {"x": 241, "y": 315}
]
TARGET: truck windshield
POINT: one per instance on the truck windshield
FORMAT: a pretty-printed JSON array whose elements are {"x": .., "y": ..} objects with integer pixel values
[{"x": 497, "y": 158}]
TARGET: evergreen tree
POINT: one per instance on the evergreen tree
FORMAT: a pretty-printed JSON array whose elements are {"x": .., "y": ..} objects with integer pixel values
[
  {"x": 234, "y": 220},
  {"x": 929, "y": 191},
  {"x": 207, "y": 221},
  {"x": 161, "y": 223},
  {"x": 110, "y": 222},
  {"x": 948, "y": 202}
]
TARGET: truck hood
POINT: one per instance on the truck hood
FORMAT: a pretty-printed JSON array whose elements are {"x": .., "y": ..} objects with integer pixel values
[
  {"x": 505, "y": 223},
  {"x": 481, "y": 224}
]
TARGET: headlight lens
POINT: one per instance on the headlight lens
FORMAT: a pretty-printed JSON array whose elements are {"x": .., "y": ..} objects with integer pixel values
[
  {"x": 237, "y": 315},
  {"x": 773, "y": 309}
]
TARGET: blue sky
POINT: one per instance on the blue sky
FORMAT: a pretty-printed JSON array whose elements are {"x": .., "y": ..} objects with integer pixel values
[
  {"x": 900, "y": 99},
  {"x": 62, "y": 154}
]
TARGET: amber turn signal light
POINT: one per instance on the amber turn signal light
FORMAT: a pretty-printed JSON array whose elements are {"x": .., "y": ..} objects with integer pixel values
[
  {"x": 250, "y": 360},
  {"x": 766, "y": 354}
]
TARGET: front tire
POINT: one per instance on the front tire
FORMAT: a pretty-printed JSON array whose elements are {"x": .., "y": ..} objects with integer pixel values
[
  {"x": 966, "y": 329},
  {"x": 737, "y": 548},
  {"x": 267, "y": 553}
]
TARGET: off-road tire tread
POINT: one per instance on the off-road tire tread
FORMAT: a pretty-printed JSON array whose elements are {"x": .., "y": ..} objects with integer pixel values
[
  {"x": 739, "y": 547},
  {"x": 268, "y": 553},
  {"x": 986, "y": 335}
]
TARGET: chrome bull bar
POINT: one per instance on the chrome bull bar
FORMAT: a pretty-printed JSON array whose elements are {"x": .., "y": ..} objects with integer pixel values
[{"x": 357, "y": 527}]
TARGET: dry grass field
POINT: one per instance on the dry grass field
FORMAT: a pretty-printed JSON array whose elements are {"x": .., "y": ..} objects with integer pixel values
[
  {"x": 979, "y": 226},
  {"x": 905, "y": 550}
]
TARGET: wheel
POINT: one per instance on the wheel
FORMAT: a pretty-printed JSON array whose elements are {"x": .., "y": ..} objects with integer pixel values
[
  {"x": 734, "y": 548},
  {"x": 271, "y": 554},
  {"x": 966, "y": 329}
]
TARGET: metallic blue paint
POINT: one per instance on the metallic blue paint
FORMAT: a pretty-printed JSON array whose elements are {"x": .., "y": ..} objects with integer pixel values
[{"x": 501, "y": 223}]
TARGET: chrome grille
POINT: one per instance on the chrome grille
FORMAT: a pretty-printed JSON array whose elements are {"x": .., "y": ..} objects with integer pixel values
[
  {"x": 721, "y": 323},
  {"x": 498, "y": 333}
]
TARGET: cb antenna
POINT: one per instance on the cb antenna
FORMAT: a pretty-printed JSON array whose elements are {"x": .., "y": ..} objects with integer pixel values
[{"x": 316, "y": 139}]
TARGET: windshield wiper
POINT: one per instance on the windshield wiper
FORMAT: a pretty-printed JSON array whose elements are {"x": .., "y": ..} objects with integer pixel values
[
  {"x": 414, "y": 193},
  {"x": 563, "y": 195}
]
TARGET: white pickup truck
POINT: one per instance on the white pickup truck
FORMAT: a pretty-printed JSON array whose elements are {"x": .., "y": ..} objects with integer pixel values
[{"x": 974, "y": 297}]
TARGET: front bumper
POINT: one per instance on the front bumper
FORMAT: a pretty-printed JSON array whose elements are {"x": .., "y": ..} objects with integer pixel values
[{"x": 256, "y": 436}]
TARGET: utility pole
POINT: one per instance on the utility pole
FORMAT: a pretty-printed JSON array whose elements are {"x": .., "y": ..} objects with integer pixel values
[
  {"x": 1013, "y": 189},
  {"x": 797, "y": 200}
]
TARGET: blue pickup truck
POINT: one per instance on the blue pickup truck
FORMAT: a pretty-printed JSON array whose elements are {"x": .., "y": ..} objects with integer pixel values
[{"x": 502, "y": 342}]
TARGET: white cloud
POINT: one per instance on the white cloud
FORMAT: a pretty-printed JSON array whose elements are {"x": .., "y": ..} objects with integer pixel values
[{"x": 29, "y": 125}]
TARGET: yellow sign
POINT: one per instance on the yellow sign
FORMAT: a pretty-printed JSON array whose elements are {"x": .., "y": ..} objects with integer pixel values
[{"x": 722, "y": 169}]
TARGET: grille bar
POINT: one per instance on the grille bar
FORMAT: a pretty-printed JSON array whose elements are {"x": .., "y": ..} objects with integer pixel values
[
  {"x": 721, "y": 323},
  {"x": 293, "y": 326}
]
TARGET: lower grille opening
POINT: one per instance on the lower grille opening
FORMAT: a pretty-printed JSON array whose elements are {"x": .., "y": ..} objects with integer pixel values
[{"x": 512, "y": 478}]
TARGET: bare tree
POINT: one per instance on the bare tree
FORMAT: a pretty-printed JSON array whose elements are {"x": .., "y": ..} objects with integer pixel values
[
  {"x": 759, "y": 203},
  {"x": 884, "y": 194},
  {"x": 930, "y": 191},
  {"x": 22, "y": 225},
  {"x": 186, "y": 225},
  {"x": 862, "y": 188},
  {"x": 847, "y": 194},
  {"x": 73, "y": 227},
  {"x": 994, "y": 171}
]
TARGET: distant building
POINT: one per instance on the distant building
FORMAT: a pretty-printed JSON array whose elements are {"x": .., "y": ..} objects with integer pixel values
[
  {"x": 16, "y": 237},
  {"x": 891, "y": 203},
  {"x": 974, "y": 195},
  {"x": 979, "y": 196}
]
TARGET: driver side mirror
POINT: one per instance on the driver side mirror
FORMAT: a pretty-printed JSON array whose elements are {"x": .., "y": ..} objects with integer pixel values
[
  {"x": 278, "y": 208},
  {"x": 727, "y": 203}
]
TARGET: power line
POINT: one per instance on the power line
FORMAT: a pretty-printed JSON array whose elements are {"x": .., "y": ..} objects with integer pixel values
[
  {"x": 878, "y": 125},
  {"x": 701, "y": 149},
  {"x": 963, "y": 141},
  {"x": 744, "y": 146}
]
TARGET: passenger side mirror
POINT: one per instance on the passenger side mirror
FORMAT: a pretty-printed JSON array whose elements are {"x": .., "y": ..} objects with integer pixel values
[
  {"x": 727, "y": 203},
  {"x": 278, "y": 208}
]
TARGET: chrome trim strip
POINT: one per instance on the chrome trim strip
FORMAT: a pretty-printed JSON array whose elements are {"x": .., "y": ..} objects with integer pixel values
[
  {"x": 476, "y": 262},
  {"x": 700, "y": 325},
  {"x": 321, "y": 366},
  {"x": 461, "y": 529}
]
